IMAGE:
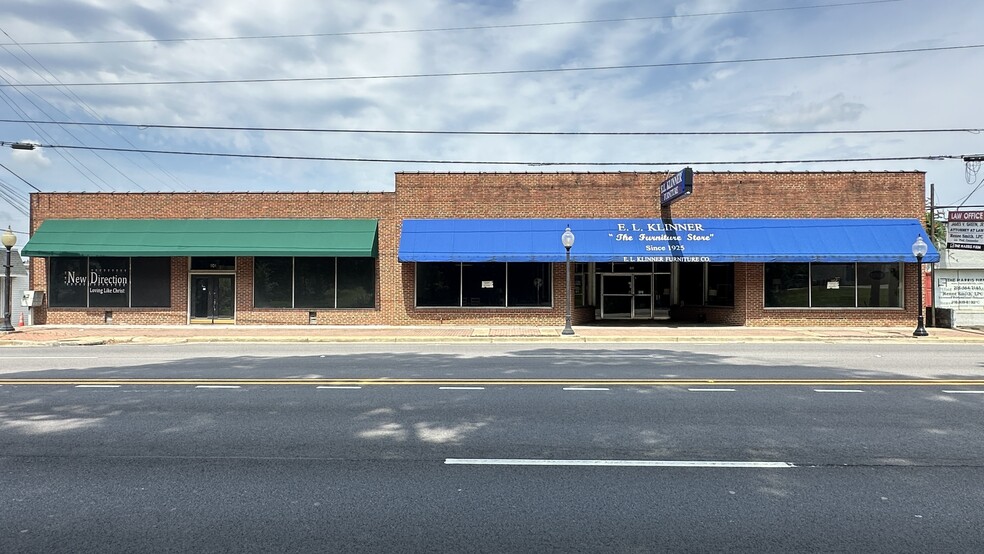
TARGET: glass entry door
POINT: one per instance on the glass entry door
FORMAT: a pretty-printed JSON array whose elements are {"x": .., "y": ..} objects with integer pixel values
[
  {"x": 627, "y": 296},
  {"x": 213, "y": 298}
]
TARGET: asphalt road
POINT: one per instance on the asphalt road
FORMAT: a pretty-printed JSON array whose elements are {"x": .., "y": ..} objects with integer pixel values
[{"x": 883, "y": 450}]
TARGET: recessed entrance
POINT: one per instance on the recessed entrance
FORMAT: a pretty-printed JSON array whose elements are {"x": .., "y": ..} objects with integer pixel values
[
  {"x": 635, "y": 296},
  {"x": 213, "y": 298}
]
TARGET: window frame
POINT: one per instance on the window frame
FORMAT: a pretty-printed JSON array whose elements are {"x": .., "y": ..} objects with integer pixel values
[
  {"x": 293, "y": 286},
  {"x": 856, "y": 285},
  {"x": 87, "y": 264},
  {"x": 461, "y": 306}
]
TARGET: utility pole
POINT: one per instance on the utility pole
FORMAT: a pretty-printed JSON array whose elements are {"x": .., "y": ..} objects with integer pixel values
[{"x": 932, "y": 267}]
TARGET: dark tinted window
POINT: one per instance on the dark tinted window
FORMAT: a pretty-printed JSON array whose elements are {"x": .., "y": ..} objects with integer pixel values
[
  {"x": 720, "y": 284},
  {"x": 530, "y": 285},
  {"x": 438, "y": 284},
  {"x": 691, "y": 279},
  {"x": 151, "y": 282},
  {"x": 314, "y": 282},
  {"x": 878, "y": 286},
  {"x": 787, "y": 285},
  {"x": 272, "y": 282},
  {"x": 356, "y": 282},
  {"x": 68, "y": 282},
  {"x": 483, "y": 284},
  {"x": 833, "y": 286}
]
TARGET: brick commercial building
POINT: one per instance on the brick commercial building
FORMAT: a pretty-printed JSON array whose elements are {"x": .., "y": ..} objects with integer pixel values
[{"x": 485, "y": 248}]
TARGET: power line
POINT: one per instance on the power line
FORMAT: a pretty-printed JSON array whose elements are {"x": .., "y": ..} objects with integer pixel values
[
  {"x": 14, "y": 197},
  {"x": 449, "y": 29},
  {"x": 68, "y": 93},
  {"x": 499, "y": 162},
  {"x": 503, "y": 133},
  {"x": 504, "y": 72},
  {"x": 19, "y": 177},
  {"x": 69, "y": 157}
]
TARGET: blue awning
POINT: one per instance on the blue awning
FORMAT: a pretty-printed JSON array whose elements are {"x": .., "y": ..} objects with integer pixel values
[{"x": 657, "y": 240}]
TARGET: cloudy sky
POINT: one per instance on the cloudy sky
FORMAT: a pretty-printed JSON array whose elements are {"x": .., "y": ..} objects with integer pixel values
[{"x": 322, "y": 66}]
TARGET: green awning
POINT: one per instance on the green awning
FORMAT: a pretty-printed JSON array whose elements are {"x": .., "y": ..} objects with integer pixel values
[{"x": 204, "y": 237}]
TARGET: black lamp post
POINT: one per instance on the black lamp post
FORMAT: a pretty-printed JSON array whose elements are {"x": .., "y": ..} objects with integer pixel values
[
  {"x": 919, "y": 250},
  {"x": 568, "y": 240},
  {"x": 9, "y": 240}
]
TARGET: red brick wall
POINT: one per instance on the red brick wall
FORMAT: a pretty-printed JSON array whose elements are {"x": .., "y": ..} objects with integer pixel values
[{"x": 505, "y": 195}]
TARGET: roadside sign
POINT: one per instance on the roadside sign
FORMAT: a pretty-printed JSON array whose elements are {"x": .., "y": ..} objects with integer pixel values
[{"x": 965, "y": 230}]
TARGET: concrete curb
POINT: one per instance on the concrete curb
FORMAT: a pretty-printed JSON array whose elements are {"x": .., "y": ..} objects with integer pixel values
[{"x": 98, "y": 341}]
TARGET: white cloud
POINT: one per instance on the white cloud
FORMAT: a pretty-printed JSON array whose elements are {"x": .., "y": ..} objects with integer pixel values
[{"x": 793, "y": 113}]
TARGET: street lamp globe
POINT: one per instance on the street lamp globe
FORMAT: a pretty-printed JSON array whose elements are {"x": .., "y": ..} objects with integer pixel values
[
  {"x": 567, "y": 238},
  {"x": 919, "y": 248},
  {"x": 9, "y": 239}
]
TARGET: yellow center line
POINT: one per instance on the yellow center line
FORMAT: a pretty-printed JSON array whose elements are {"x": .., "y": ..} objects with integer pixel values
[{"x": 503, "y": 382}]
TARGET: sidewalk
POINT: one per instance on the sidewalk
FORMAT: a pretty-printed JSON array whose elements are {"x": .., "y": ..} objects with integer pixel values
[{"x": 48, "y": 335}]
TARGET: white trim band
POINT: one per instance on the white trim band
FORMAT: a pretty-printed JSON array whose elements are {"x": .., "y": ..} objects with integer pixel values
[{"x": 614, "y": 463}]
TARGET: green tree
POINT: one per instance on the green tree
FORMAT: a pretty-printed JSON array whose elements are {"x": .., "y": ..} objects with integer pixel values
[{"x": 939, "y": 237}]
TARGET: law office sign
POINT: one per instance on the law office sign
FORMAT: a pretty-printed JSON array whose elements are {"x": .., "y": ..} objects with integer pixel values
[
  {"x": 965, "y": 230},
  {"x": 680, "y": 185}
]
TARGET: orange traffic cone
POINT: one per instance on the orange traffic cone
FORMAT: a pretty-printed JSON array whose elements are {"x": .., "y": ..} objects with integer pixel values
[{"x": 20, "y": 322}]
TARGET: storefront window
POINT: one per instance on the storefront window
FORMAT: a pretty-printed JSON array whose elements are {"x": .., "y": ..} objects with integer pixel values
[
  {"x": 787, "y": 285},
  {"x": 452, "y": 285},
  {"x": 832, "y": 286},
  {"x": 439, "y": 284},
  {"x": 109, "y": 282},
  {"x": 356, "y": 282},
  {"x": 691, "y": 280},
  {"x": 314, "y": 282},
  {"x": 483, "y": 284},
  {"x": 68, "y": 282},
  {"x": 272, "y": 282},
  {"x": 879, "y": 286},
  {"x": 720, "y": 284},
  {"x": 530, "y": 285},
  {"x": 580, "y": 284},
  {"x": 151, "y": 282},
  {"x": 850, "y": 285}
]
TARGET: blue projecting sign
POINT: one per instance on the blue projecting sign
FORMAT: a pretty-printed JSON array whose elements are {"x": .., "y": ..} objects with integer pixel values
[{"x": 676, "y": 187}]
